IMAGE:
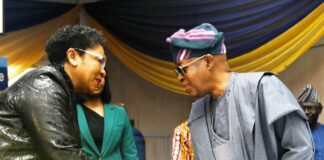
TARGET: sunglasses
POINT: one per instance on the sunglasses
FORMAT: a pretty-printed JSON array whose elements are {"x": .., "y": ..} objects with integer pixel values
[
  {"x": 101, "y": 59},
  {"x": 181, "y": 70}
]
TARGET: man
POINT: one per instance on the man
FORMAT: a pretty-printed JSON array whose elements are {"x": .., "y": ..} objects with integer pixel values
[
  {"x": 138, "y": 137},
  {"x": 139, "y": 141},
  {"x": 37, "y": 113},
  {"x": 245, "y": 116},
  {"x": 311, "y": 104}
]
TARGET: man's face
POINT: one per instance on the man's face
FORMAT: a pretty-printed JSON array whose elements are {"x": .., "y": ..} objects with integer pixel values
[
  {"x": 90, "y": 70},
  {"x": 194, "y": 76},
  {"x": 312, "y": 111}
]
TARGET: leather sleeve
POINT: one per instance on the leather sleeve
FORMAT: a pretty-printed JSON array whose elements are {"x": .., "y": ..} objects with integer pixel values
[{"x": 44, "y": 109}]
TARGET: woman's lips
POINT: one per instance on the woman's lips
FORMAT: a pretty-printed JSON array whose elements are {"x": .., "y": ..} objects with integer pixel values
[
  {"x": 98, "y": 80},
  {"x": 99, "y": 84}
]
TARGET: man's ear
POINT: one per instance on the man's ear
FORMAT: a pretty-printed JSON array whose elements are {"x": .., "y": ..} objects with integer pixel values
[
  {"x": 72, "y": 56},
  {"x": 210, "y": 61}
]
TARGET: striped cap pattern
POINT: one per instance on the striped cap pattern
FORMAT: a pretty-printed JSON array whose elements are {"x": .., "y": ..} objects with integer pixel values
[
  {"x": 193, "y": 35},
  {"x": 183, "y": 54},
  {"x": 309, "y": 94},
  {"x": 198, "y": 41}
]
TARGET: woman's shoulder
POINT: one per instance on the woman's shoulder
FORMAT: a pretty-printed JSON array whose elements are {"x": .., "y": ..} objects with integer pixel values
[{"x": 117, "y": 108}]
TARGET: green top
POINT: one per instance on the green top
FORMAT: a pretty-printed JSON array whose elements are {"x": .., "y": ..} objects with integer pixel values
[{"x": 118, "y": 141}]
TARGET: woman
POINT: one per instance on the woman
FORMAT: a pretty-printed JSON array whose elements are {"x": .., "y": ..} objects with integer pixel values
[
  {"x": 37, "y": 113},
  {"x": 105, "y": 129}
]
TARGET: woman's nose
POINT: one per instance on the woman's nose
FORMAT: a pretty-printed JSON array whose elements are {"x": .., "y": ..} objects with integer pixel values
[{"x": 103, "y": 72}]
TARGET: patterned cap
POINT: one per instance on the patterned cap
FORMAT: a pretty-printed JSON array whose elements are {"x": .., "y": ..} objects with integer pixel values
[
  {"x": 309, "y": 94},
  {"x": 201, "y": 40}
]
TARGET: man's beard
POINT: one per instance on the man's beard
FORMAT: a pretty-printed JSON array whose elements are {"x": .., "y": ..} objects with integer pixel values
[{"x": 312, "y": 121}]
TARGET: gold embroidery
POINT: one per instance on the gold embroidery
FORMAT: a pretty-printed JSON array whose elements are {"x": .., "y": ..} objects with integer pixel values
[{"x": 182, "y": 146}]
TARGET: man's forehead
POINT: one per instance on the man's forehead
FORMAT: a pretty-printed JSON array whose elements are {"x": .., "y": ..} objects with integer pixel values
[
  {"x": 310, "y": 104},
  {"x": 185, "y": 61}
]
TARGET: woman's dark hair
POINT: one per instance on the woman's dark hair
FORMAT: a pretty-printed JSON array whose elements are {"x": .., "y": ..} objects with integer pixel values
[
  {"x": 75, "y": 36},
  {"x": 106, "y": 94}
]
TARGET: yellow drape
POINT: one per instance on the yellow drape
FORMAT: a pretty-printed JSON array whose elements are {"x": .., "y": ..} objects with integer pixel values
[
  {"x": 280, "y": 52},
  {"x": 273, "y": 56},
  {"x": 154, "y": 70},
  {"x": 25, "y": 47}
]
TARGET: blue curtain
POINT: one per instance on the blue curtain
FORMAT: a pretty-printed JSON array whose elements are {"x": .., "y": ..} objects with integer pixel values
[
  {"x": 145, "y": 24},
  {"x": 3, "y": 73},
  {"x": 20, "y": 14}
]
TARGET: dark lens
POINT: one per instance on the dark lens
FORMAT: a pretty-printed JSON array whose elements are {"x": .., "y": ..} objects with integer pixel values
[
  {"x": 79, "y": 50},
  {"x": 176, "y": 72},
  {"x": 179, "y": 71}
]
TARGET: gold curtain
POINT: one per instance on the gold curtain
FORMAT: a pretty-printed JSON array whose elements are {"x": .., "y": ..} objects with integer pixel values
[
  {"x": 25, "y": 47},
  {"x": 273, "y": 56},
  {"x": 280, "y": 52}
]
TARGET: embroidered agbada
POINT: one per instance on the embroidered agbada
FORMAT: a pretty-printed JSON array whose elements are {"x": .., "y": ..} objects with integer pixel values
[{"x": 271, "y": 125}]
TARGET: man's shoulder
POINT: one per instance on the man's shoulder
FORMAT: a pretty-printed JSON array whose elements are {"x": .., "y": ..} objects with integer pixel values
[
  {"x": 318, "y": 131},
  {"x": 248, "y": 80},
  {"x": 320, "y": 126},
  {"x": 251, "y": 76},
  {"x": 137, "y": 133}
]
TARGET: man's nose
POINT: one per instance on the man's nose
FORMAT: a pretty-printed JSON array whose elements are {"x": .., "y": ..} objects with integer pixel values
[{"x": 307, "y": 110}]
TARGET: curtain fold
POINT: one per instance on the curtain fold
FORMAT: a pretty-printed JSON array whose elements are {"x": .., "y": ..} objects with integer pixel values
[
  {"x": 273, "y": 56},
  {"x": 25, "y": 47},
  {"x": 260, "y": 35},
  {"x": 144, "y": 25},
  {"x": 22, "y": 14}
]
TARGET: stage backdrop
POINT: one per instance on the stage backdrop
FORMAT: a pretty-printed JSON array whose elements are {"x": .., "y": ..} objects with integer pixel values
[
  {"x": 3, "y": 73},
  {"x": 260, "y": 35}
]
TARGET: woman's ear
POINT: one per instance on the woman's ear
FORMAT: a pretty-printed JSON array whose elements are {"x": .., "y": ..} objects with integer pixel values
[{"x": 72, "y": 56}]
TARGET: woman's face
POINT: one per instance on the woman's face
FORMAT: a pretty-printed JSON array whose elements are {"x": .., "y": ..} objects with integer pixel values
[{"x": 91, "y": 72}]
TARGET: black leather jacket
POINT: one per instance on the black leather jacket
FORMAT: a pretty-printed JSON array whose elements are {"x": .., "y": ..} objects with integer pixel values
[{"x": 37, "y": 118}]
